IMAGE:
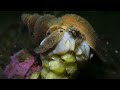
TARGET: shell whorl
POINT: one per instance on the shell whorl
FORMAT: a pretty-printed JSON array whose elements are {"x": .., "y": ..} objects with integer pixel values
[
  {"x": 37, "y": 25},
  {"x": 82, "y": 25},
  {"x": 29, "y": 20}
]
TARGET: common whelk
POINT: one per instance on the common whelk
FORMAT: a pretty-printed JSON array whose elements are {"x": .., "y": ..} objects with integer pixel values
[{"x": 43, "y": 25}]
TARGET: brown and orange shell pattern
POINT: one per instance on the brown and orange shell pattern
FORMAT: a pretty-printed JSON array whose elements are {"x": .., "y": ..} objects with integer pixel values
[{"x": 41, "y": 26}]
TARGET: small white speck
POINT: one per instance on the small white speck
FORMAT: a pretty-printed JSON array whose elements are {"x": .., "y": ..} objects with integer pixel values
[
  {"x": 107, "y": 43},
  {"x": 91, "y": 55},
  {"x": 116, "y": 51}
]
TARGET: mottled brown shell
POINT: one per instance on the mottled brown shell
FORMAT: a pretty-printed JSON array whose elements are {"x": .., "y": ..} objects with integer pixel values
[
  {"x": 37, "y": 24},
  {"x": 46, "y": 24}
]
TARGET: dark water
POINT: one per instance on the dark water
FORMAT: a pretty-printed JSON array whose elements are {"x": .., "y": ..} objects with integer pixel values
[{"x": 106, "y": 24}]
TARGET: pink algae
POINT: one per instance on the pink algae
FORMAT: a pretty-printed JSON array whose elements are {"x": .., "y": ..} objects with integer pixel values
[{"x": 19, "y": 68}]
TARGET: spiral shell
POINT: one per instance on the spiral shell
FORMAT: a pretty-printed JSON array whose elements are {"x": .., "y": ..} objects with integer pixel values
[{"x": 40, "y": 26}]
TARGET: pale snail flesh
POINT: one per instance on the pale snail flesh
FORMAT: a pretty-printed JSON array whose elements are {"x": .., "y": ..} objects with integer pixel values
[{"x": 68, "y": 43}]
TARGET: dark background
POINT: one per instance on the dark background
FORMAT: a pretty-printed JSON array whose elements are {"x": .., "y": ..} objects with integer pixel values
[{"x": 104, "y": 22}]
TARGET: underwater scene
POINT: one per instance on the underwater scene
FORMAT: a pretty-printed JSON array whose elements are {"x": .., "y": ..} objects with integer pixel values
[{"x": 59, "y": 45}]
